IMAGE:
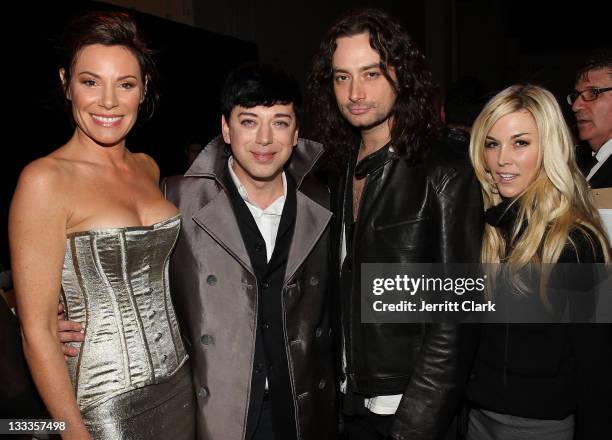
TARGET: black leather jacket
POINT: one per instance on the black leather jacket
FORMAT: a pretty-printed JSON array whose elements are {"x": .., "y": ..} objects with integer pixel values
[{"x": 428, "y": 212}]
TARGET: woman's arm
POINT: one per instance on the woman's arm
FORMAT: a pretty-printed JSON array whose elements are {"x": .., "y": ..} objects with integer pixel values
[{"x": 37, "y": 234}]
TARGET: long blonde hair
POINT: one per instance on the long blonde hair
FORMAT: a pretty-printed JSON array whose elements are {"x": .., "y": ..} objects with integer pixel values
[{"x": 558, "y": 199}]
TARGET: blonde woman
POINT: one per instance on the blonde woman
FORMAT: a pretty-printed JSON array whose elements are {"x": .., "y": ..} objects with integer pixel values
[{"x": 544, "y": 381}]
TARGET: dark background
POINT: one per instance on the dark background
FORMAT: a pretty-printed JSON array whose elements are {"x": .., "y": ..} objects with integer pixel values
[{"x": 500, "y": 42}]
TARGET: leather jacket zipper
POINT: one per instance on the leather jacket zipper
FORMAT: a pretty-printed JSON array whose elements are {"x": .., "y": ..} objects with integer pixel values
[{"x": 350, "y": 364}]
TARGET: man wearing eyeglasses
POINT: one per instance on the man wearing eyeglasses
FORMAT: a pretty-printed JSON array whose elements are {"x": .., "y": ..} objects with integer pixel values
[{"x": 592, "y": 106}]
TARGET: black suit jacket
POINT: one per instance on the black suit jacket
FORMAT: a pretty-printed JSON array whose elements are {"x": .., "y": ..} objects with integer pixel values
[{"x": 603, "y": 177}]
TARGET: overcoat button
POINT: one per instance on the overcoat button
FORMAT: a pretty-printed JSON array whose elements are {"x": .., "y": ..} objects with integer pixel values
[
  {"x": 203, "y": 393},
  {"x": 314, "y": 281},
  {"x": 318, "y": 332},
  {"x": 322, "y": 384},
  {"x": 211, "y": 280},
  {"x": 206, "y": 339}
]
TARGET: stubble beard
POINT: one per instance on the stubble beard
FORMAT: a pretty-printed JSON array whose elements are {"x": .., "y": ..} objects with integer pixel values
[{"x": 378, "y": 120}]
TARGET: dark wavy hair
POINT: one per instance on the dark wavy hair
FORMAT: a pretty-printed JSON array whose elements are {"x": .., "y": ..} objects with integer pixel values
[
  {"x": 416, "y": 121},
  {"x": 109, "y": 28}
]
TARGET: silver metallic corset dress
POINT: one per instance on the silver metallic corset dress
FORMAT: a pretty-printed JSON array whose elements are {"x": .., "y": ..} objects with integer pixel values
[{"x": 130, "y": 376}]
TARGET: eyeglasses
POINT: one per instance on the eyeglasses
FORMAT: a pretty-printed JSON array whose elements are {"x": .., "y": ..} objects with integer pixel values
[{"x": 587, "y": 95}]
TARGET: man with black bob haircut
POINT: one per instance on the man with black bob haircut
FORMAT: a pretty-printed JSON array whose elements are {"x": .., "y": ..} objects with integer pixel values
[
  {"x": 249, "y": 272},
  {"x": 403, "y": 199}
]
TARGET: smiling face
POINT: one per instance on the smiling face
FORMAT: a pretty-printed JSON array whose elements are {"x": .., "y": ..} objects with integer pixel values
[
  {"x": 364, "y": 95},
  {"x": 106, "y": 90},
  {"x": 511, "y": 154},
  {"x": 594, "y": 118},
  {"x": 262, "y": 139}
]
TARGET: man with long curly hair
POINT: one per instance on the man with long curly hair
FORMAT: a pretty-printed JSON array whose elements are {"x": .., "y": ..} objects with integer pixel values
[{"x": 402, "y": 199}]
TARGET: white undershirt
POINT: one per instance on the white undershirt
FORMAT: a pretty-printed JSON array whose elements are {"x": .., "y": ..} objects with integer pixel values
[
  {"x": 602, "y": 154},
  {"x": 268, "y": 219}
]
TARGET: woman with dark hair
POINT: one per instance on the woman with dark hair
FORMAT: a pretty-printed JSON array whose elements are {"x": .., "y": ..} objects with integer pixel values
[
  {"x": 537, "y": 381},
  {"x": 88, "y": 226}
]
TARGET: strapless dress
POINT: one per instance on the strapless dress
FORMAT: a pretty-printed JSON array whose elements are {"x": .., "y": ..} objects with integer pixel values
[{"x": 131, "y": 376}]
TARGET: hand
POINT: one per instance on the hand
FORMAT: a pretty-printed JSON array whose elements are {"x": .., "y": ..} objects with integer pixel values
[{"x": 68, "y": 331}]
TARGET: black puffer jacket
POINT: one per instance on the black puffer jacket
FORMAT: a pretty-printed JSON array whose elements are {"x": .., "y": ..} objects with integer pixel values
[{"x": 425, "y": 212}]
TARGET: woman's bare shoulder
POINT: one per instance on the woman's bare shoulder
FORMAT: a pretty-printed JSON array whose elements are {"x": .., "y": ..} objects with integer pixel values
[
  {"x": 63, "y": 166},
  {"x": 48, "y": 181},
  {"x": 147, "y": 164},
  {"x": 45, "y": 171}
]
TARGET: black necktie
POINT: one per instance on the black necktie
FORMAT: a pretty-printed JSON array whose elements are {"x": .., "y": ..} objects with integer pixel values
[
  {"x": 590, "y": 162},
  {"x": 586, "y": 162}
]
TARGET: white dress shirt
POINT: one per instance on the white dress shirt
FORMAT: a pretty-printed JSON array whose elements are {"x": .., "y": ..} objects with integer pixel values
[{"x": 268, "y": 219}]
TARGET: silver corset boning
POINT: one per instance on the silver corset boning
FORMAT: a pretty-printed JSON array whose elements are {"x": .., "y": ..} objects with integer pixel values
[{"x": 115, "y": 283}]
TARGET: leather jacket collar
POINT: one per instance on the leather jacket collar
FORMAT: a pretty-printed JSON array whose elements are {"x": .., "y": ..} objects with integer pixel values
[{"x": 374, "y": 161}]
